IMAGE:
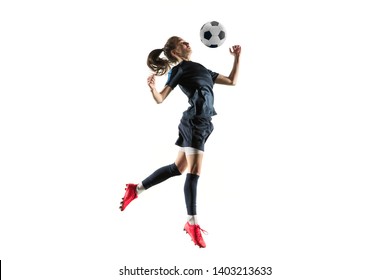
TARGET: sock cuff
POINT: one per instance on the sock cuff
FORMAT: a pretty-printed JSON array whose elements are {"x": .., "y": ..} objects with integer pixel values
[
  {"x": 175, "y": 171},
  {"x": 193, "y": 176}
]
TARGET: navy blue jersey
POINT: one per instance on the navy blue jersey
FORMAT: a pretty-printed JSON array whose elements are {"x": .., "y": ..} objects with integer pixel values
[{"x": 197, "y": 83}]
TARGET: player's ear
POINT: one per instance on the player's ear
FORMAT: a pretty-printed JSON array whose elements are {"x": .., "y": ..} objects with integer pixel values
[{"x": 174, "y": 53}]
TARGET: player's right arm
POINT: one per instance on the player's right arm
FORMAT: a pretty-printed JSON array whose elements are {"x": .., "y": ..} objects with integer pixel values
[{"x": 159, "y": 97}]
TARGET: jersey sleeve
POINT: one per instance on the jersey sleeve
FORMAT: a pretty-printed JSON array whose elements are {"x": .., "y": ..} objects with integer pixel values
[
  {"x": 174, "y": 76},
  {"x": 214, "y": 75}
]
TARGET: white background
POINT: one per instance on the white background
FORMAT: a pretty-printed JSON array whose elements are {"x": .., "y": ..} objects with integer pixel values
[{"x": 295, "y": 174}]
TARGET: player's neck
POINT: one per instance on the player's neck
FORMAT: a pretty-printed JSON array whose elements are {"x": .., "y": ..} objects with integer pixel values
[{"x": 185, "y": 58}]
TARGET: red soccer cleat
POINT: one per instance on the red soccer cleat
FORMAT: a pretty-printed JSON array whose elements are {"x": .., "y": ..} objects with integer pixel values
[
  {"x": 196, "y": 234},
  {"x": 130, "y": 195}
]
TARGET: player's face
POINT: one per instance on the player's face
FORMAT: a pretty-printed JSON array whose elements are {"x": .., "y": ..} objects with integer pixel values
[
  {"x": 184, "y": 43},
  {"x": 183, "y": 48}
]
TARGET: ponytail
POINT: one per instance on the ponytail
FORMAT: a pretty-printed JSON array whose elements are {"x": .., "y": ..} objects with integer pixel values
[
  {"x": 160, "y": 65},
  {"x": 157, "y": 64}
]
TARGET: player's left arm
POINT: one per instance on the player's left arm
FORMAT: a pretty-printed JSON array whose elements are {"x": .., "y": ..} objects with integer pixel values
[{"x": 232, "y": 78}]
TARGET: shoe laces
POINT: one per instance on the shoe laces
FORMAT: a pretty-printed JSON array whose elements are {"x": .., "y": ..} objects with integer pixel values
[{"x": 198, "y": 231}]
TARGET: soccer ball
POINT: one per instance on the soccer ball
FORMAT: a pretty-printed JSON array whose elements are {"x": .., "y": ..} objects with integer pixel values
[{"x": 212, "y": 34}]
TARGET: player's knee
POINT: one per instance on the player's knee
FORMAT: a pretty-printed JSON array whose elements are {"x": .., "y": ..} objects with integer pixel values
[
  {"x": 181, "y": 166},
  {"x": 195, "y": 169}
]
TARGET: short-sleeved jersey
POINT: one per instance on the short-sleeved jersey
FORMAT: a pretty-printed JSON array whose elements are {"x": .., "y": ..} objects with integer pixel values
[{"x": 197, "y": 83}]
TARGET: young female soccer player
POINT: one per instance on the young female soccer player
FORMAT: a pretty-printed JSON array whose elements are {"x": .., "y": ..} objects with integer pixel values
[{"x": 195, "y": 126}]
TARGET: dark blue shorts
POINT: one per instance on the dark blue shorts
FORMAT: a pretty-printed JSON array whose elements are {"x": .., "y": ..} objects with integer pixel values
[{"x": 194, "y": 132}]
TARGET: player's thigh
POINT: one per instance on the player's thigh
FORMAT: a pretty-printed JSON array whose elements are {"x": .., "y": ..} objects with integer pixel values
[
  {"x": 194, "y": 162},
  {"x": 181, "y": 162}
]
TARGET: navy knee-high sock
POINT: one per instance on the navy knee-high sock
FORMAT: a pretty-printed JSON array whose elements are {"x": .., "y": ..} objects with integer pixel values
[
  {"x": 161, "y": 175},
  {"x": 190, "y": 187}
]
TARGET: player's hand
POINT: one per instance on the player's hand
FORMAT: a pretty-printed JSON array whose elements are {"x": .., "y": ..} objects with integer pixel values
[
  {"x": 235, "y": 50},
  {"x": 152, "y": 81}
]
